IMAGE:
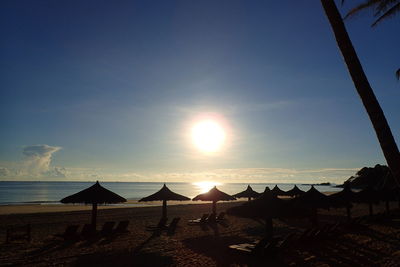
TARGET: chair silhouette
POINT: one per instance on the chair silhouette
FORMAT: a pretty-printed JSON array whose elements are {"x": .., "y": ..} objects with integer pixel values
[
  {"x": 122, "y": 227},
  {"x": 88, "y": 231},
  {"x": 107, "y": 228},
  {"x": 70, "y": 233},
  {"x": 203, "y": 219}
]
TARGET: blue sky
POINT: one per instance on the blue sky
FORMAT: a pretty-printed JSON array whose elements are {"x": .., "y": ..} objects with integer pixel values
[{"x": 110, "y": 90}]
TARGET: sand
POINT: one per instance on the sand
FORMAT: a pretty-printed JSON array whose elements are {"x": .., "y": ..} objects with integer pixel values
[{"x": 373, "y": 242}]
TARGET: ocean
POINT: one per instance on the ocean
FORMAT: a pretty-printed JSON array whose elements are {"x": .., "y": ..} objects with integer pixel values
[{"x": 12, "y": 193}]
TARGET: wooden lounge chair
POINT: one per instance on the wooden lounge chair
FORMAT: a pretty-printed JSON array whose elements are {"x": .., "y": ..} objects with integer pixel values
[
  {"x": 203, "y": 219},
  {"x": 122, "y": 227},
  {"x": 70, "y": 233},
  {"x": 172, "y": 226},
  {"x": 253, "y": 248},
  {"x": 160, "y": 225},
  {"x": 220, "y": 217},
  {"x": 107, "y": 228},
  {"x": 211, "y": 218},
  {"x": 88, "y": 231},
  {"x": 284, "y": 243},
  {"x": 174, "y": 222}
]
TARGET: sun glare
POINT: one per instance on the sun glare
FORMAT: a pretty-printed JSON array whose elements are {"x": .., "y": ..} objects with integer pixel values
[
  {"x": 208, "y": 136},
  {"x": 205, "y": 186}
]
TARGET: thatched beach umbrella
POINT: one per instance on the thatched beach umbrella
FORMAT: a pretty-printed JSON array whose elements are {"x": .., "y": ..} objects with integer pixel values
[
  {"x": 96, "y": 194},
  {"x": 164, "y": 194},
  {"x": 343, "y": 199},
  {"x": 265, "y": 207},
  {"x": 313, "y": 200},
  {"x": 277, "y": 191},
  {"x": 214, "y": 195},
  {"x": 249, "y": 193},
  {"x": 295, "y": 191}
]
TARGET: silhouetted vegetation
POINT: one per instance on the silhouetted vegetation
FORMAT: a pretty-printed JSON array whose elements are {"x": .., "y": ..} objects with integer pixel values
[{"x": 377, "y": 177}]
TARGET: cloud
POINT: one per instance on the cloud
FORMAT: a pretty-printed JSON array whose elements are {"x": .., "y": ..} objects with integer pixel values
[
  {"x": 56, "y": 172},
  {"x": 38, "y": 159},
  {"x": 261, "y": 175},
  {"x": 4, "y": 172}
]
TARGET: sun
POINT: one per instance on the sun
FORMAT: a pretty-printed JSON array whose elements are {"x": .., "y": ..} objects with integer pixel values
[
  {"x": 208, "y": 136},
  {"x": 205, "y": 186}
]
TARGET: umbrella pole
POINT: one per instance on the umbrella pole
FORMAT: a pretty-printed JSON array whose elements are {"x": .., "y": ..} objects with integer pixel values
[
  {"x": 214, "y": 207},
  {"x": 268, "y": 228},
  {"x": 348, "y": 212},
  {"x": 371, "y": 212},
  {"x": 249, "y": 199},
  {"x": 94, "y": 215},
  {"x": 387, "y": 206},
  {"x": 164, "y": 209},
  {"x": 314, "y": 217}
]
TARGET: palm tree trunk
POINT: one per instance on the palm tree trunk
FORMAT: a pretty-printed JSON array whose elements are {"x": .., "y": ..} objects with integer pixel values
[{"x": 371, "y": 104}]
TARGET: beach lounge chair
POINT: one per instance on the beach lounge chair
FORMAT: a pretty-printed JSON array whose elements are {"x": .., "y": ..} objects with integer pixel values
[
  {"x": 88, "y": 231},
  {"x": 122, "y": 227},
  {"x": 107, "y": 228},
  {"x": 172, "y": 226},
  {"x": 174, "y": 223},
  {"x": 70, "y": 233},
  {"x": 285, "y": 242},
  {"x": 161, "y": 224},
  {"x": 253, "y": 248},
  {"x": 211, "y": 218},
  {"x": 220, "y": 217},
  {"x": 203, "y": 219}
]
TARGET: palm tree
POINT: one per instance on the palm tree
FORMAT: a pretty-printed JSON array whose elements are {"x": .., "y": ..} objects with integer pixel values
[
  {"x": 371, "y": 104},
  {"x": 383, "y": 9}
]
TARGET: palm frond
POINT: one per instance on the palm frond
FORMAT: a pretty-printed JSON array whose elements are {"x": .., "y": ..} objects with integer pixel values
[
  {"x": 367, "y": 4},
  {"x": 384, "y": 5},
  {"x": 392, "y": 11}
]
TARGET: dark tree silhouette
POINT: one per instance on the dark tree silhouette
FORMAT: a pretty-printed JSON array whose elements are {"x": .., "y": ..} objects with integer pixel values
[{"x": 371, "y": 104}]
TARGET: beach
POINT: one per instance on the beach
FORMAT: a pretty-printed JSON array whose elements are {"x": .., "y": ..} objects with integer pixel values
[{"x": 372, "y": 242}]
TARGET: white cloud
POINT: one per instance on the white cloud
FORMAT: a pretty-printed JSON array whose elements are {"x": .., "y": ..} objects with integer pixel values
[
  {"x": 38, "y": 158},
  {"x": 237, "y": 175},
  {"x": 37, "y": 166}
]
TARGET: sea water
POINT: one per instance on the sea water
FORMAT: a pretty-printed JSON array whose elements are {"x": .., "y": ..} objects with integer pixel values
[{"x": 52, "y": 192}]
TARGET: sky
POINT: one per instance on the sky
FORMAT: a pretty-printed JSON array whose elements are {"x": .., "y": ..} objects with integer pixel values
[{"x": 111, "y": 91}]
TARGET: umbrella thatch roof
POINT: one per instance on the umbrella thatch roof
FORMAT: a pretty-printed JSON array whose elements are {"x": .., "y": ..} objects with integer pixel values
[
  {"x": 249, "y": 192},
  {"x": 214, "y": 195},
  {"x": 96, "y": 194},
  {"x": 164, "y": 194},
  {"x": 312, "y": 199},
  {"x": 295, "y": 191},
  {"x": 277, "y": 191},
  {"x": 268, "y": 205},
  {"x": 342, "y": 198}
]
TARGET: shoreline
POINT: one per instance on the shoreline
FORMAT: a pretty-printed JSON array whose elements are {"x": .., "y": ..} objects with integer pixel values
[
  {"x": 47, "y": 207},
  {"x": 60, "y": 207}
]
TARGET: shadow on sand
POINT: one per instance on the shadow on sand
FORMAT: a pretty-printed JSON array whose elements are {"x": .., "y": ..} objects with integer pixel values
[{"x": 124, "y": 258}]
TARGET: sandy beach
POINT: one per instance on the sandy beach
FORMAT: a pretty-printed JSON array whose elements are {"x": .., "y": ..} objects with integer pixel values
[{"x": 370, "y": 243}]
